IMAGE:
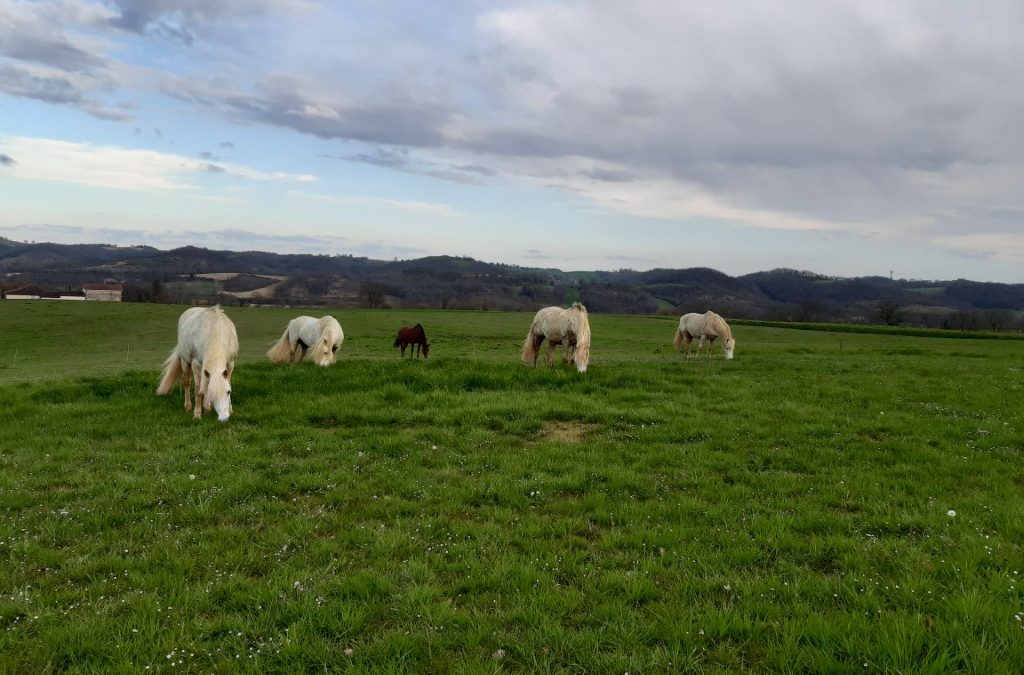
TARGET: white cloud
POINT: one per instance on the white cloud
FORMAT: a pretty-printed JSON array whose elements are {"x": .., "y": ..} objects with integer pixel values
[
  {"x": 1007, "y": 247},
  {"x": 431, "y": 208},
  {"x": 122, "y": 168}
]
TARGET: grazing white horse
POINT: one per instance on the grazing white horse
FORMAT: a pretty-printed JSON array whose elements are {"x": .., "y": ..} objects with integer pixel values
[
  {"x": 206, "y": 352},
  {"x": 707, "y": 326},
  {"x": 567, "y": 327},
  {"x": 324, "y": 336}
]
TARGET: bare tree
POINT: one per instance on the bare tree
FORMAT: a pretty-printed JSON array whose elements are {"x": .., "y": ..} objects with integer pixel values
[
  {"x": 998, "y": 319},
  {"x": 372, "y": 294}
]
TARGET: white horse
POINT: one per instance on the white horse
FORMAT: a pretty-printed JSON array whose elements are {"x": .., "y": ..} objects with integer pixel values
[
  {"x": 567, "y": 327},
  {"x": 707, "y": 326},
  {"x": 206, "y": 351},
  {"x": 323, "y": 335}
]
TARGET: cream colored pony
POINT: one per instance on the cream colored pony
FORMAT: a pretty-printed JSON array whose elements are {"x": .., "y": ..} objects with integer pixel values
[
  {"x": 206, "y": 352},
  {"x": 708, "y": 326},
  {"x": 324, "y": 336},
  {"x": 567, "y": 327}
]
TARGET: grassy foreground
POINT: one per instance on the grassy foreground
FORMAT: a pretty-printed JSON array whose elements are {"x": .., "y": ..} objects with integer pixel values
[{"x": 786, "y": 511}]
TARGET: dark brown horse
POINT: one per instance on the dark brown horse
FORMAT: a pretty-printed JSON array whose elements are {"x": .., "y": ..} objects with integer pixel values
[{"x": 413, "y": 336}]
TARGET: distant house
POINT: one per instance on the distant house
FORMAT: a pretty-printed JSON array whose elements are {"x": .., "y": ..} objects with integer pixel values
[
  {"x": 103, "y": 292},
  {"x": 107, "y": 292},
  {"x": 33, "y": 292},
  {"x": 26, "y": 293}
]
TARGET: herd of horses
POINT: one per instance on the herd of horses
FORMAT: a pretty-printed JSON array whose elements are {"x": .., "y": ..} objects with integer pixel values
[{"x": 204, "y": 357}]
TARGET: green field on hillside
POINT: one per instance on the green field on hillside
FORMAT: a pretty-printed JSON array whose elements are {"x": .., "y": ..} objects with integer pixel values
[{"x": 825, "y": 502}]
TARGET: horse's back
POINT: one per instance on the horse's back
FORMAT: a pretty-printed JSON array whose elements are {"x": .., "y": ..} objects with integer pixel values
[
  {"x": 692, "y": 323},
  {"x": 203, "y": 328},
  {"x": 551, "y": 322},
  {"x": 410, "y": 334}
]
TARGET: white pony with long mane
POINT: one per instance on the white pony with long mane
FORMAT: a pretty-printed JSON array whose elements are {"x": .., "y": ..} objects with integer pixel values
[
  {"x": 206, "y": 351},
  {"x": 567, "y": 327},
  {"x": 708, "y": 326},
  {"x": 324, "y": 336}
]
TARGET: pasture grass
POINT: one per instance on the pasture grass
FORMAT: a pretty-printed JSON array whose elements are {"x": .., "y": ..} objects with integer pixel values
[{"x": 782, "y": 512}]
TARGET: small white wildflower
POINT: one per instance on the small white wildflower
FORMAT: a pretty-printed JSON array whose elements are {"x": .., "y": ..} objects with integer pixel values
[
  {"x": 191, "y": 476},
  {"x": 951, "y": 513}
]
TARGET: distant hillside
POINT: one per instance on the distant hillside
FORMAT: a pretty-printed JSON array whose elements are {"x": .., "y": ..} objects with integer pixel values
[{"x": 192, "y": 274}]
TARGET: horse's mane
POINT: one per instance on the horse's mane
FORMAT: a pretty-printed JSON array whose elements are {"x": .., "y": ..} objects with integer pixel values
[
  {"x": 720, "y": 326},
  {"x": 581, "y": 327},
  {"x": 220, "y": 350}
]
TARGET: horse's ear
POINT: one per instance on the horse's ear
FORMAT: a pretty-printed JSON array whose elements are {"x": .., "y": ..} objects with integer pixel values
[{"x": 225, "y": 373}]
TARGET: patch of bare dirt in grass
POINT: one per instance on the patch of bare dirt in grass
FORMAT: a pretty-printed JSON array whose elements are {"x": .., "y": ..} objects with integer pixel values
[{"x": 566, "y": 432}]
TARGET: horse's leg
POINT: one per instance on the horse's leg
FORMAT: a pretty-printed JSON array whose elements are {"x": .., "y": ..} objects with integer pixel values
[
  {"x": 551, "y": 350},
  {"x": 200, "y": 385},
  {"x": 403, "y": 349},
  {"x": 417, "y": 350},
  {"x": 687, "y": 341},
  {"x": 711, "y": 346},
  {"x": 186, "y": 380},
  {"x": 231, "y": 371}
]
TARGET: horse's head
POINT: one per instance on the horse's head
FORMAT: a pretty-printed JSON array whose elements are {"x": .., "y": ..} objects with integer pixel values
[
  {"x": 581, "y": 356},
  {"x": 326, "y": 351},
  {"x": 426, "y": 349},
  {"x": 730, "y": 345},
  {"x": 218, "y": 391}
]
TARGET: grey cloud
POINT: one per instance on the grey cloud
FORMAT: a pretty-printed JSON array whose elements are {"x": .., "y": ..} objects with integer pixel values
[
  {"x": 475, "y": 168},
  {"x": 629, "y": 259},
  {"x": 35, "y": 32},
  {"x": 396, "y": 116},
  {"x": 55, "y": 87},
  {"x": 227, "y": 144},
  {"x": 536, "y": 254},
  {"x": 399, "y": 159},
  {"x": 185, "y": 20},
  {"x": 213, "y": 168},
  {"x": 55, "y": 51},
  {"x": 208, "y": 155},
  {"x": 609, "y": 175},
  {"x": 6, "y": 160}
]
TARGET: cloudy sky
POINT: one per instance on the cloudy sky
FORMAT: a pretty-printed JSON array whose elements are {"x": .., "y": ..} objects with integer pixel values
[{"x": 847, "y": 138}]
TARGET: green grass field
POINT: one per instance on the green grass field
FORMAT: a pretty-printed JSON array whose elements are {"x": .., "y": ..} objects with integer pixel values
[{"x": 782, "y": 512}]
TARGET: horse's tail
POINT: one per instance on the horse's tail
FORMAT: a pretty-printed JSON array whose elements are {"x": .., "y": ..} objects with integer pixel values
[
  {"x": 282, "y": 349},
  {"x": 170, "y": 375},
  {"x": 398, "y": 342},
  {"x": 678, "y": 341},
  {"x": 582, "y": 329},
  {"x": 530, "y": 347}
]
